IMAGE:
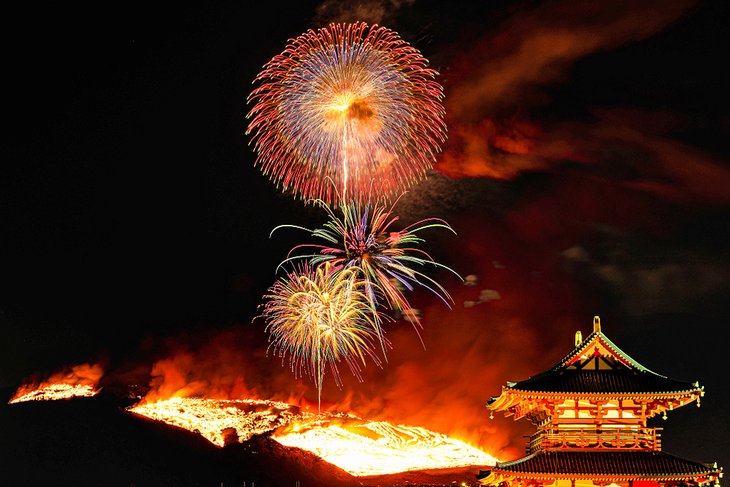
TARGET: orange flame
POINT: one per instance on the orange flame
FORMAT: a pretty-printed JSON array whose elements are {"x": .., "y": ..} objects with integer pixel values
[
  {"x": 78, "y": 381},
  {"x": 379, "y": 448}
]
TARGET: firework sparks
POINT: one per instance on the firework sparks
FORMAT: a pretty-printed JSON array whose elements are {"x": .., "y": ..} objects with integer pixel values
[
  {"x": 321, "y": 317},
  {"x": 385, "y": 260},
  {"x": 351, "y": 103}
]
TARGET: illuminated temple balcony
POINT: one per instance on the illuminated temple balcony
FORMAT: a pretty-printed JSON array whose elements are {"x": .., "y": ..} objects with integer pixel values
[{"x": 592, "y": 439}]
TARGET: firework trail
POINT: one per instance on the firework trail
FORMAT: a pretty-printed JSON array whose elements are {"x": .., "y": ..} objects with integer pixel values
[
  {"x": 319, "y": 318},
  {"x": 385, "y": 260},
  {"x": 352, "y": 103}
]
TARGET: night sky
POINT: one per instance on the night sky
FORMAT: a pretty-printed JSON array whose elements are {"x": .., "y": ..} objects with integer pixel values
[{"x": 587, "y": 172}]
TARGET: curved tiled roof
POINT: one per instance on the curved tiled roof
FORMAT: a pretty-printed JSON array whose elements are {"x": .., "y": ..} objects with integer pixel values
[
  {"x": 630, "y": 378},
  {"x": 636, "y": 464},
  {"x": 603, "y": 382}
]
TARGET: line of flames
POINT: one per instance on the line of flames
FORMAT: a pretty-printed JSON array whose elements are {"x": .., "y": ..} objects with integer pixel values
[
  {"x": 54, "y": 392},
  {"x": 358, "y": 446},
  {"x": 79, "y": 380}
]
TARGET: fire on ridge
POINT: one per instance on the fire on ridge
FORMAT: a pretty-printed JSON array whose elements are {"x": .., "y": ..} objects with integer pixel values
[
  {"x": 358, "y": 446},
  {"x": 54, "y": 392},
  {"x": 78, "y": 381}
]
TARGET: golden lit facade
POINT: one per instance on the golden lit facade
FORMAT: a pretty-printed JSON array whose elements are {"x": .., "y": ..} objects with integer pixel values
[{"x": 591, "y": 411}]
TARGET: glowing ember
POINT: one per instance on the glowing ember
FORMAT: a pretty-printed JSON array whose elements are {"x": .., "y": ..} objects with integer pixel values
[
  {"x": 357, "y": 446},
  {"x": 53, "y": 392}
]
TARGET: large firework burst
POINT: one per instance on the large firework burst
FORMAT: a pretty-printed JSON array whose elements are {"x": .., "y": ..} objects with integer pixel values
[
  {"x": 360, "y": 239},
  {"x": 350, "y": 103},
  {"x": 319, "y": 318}
]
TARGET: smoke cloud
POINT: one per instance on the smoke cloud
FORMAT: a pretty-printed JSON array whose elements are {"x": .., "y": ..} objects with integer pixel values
[
  {"x": 369, "y": 11},
  {"x": 494, "y": 108},
  {"x": 536, "y": 48}
]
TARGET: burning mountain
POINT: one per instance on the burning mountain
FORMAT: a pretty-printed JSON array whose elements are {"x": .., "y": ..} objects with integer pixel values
[
  {"x": 358, "y": 446},
  {"x": 94, "y": 441}
]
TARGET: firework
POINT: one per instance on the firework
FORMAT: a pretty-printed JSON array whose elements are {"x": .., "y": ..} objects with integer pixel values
[
  {"x": 319, "y": 318},
  {"x": 361, "y": 239},
  {"x": 352, "y": 104}
]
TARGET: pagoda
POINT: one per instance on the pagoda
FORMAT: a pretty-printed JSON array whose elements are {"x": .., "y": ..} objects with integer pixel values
[{"x": 591, "y": 411}]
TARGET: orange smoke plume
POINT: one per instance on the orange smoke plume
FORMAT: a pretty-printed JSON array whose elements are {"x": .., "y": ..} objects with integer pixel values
[
  {"x": 495, "y": 109},
  {"x": 214, "y": 367}
]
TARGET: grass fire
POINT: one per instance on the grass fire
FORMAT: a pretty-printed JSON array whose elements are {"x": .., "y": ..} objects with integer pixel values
[
  {"x": 358, "y": 446},
  {"x": 77, "y": 381}
]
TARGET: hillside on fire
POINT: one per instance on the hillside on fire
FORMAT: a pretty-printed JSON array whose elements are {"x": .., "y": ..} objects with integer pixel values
[
  {"x": 95, "y": 440},
  {"x": 92, "y": 441}
]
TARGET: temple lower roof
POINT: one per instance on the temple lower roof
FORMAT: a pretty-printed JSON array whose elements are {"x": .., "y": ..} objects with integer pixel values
[
  {"x": 634, "y": 464},
  {"x": 603, "y": 382}
]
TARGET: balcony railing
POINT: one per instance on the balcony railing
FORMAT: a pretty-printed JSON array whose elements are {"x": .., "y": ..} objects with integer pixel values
[{"x": 583, "y": 439}]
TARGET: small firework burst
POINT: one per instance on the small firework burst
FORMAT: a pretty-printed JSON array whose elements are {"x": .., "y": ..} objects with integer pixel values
[{"x": 320, "y": 318}]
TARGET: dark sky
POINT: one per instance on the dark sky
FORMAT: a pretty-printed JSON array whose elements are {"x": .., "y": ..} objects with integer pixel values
[{"x": 587, "y": 172}]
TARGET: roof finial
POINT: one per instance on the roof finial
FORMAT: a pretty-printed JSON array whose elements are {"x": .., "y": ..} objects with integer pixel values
[
  {"x": 596, "y": 324},
  {"x": 578, "y": 338}
]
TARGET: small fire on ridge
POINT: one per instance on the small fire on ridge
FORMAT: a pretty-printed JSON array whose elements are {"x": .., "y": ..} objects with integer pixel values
[
  {"x": 78, "y": 381},
  {"x": 54, "y": 392},
  {"x": 358, "y": 446}
]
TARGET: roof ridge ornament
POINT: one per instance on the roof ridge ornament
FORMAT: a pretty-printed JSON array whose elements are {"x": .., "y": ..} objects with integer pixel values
[
  {"x": 578, "y": 338},
  {"x": 596, "y": 324}
]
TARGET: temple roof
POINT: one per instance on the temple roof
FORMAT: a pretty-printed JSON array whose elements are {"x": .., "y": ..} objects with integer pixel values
[
  {"x": 603, "y": 382},
  {"x": 645, "y": 465},
  {"x": 596, "y": 366}
]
